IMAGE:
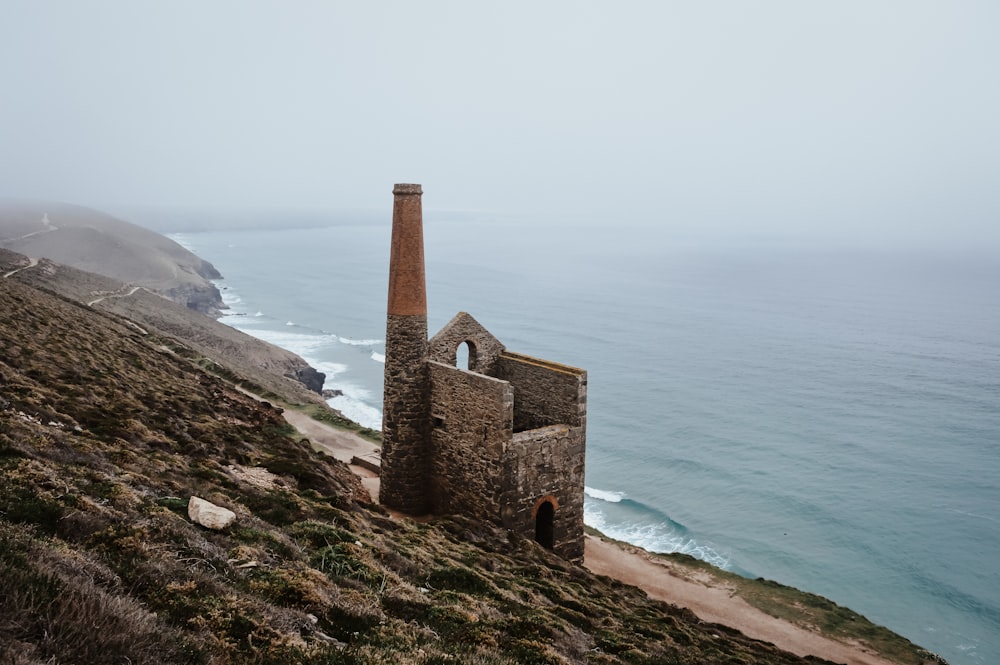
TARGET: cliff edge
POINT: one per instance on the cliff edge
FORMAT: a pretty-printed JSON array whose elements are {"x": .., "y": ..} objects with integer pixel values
[{"x": 96, "y": 242}]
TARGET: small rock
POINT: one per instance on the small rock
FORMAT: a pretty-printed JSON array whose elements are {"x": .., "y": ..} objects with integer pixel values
[{"x": 209, "y": 515}]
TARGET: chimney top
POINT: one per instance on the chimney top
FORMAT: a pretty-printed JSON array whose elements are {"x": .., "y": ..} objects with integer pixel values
[{"x": 407, "y": 189}]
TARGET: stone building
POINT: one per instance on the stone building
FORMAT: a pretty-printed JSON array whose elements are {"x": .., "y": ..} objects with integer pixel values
[{"x": 503, "y": 439}]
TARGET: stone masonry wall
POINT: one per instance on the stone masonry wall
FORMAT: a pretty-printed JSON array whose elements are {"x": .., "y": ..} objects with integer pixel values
[
  {"x": 471, "y": 427},
  {"x": 545, "y": 393},
  {"x": 405, "y": 421},
  {"x": 546, "y": 464},
  {"x": 463, "y": 328}
]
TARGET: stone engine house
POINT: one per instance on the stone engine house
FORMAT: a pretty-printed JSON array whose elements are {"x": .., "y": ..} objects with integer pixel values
[{"x": 503, "y": 440}]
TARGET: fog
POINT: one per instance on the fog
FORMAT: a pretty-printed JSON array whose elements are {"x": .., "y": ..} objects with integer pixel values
[{"x": 867, "y": 122}]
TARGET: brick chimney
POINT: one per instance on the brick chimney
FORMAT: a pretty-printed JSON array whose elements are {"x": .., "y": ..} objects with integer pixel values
[{"x": 406, "y": 403}]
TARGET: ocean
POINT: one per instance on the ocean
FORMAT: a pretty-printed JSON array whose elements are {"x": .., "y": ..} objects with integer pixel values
[{"x": 825, "y": 418}]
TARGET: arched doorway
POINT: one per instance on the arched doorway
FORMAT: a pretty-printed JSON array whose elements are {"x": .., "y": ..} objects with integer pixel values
[{"x": 545, "y": 532}]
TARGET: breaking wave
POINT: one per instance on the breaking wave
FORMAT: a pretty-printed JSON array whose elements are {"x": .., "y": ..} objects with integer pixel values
[{"x": 617, "y": 516}]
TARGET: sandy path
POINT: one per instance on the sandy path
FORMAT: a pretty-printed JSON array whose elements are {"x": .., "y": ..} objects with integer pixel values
[
  {"x": 662, "y": 580},
  {"x": 340, "y": 444},
  {"x": 714, "y": 604}
]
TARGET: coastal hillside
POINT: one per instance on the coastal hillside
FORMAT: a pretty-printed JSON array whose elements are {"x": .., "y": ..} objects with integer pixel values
[
  {"x": 99, "y": 243},
  {"x": 108, "y": 429},
  {"x": 251, "y": 362}
]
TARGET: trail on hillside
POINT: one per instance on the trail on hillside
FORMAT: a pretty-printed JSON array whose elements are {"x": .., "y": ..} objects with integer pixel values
[
  {"x": 713, "y": 601},
  {"x": 31, "y": 264},
  {"x": 115, "y": 294},
  {"x": 337, "y": 443}
]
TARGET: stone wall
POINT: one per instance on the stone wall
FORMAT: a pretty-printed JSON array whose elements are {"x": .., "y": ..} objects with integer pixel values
[
  {"x": 484, "y": 351},
  {"x": 471, "y": 428},
  {"x": 405, "y": 421},
  {"x": 448, "y": 433},
  {"x": 545, "y": 393},
  {"x": 547, "y": 465}
]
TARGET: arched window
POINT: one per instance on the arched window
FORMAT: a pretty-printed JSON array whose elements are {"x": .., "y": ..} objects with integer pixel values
[
  {"x": 545, "y": 525},
  {"x": 466, "y": 356}
]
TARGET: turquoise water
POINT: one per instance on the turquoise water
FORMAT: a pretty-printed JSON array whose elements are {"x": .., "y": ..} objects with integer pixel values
[{"x": 828, "y": 419}]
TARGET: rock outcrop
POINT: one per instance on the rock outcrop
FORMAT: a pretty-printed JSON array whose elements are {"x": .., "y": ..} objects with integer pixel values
[{"x": 311, "y": 379}]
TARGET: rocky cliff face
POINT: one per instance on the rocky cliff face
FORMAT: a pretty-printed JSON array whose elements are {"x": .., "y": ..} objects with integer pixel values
[{"x": 201, "y": 298}]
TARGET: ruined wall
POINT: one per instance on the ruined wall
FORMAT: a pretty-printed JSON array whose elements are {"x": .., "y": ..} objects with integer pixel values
[
  {"x": 463, "y": 328},
  {"x": 547, "y": 464},
  {"x": 448, "y": 434},
  {"x": 545, "y": 393},
  {"x": 471, "y": 426}
]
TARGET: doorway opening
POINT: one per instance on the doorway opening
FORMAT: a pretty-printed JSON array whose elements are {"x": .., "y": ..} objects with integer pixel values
[{"x": 545, "y": 525}]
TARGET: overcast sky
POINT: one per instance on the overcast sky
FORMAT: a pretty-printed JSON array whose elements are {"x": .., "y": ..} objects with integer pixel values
[{"x": 872, "y": 117}]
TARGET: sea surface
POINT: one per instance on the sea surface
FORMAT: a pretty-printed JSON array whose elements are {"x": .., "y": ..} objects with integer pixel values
[{"x": 827, "y": 418}]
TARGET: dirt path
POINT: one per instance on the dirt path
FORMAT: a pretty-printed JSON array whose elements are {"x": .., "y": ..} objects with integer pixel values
[
  {"x": 116, "y": 294},
  {"x": 31, "y": 264},
  {"x": 340, "y": 444},
  {"x": 713, "y": 602}
]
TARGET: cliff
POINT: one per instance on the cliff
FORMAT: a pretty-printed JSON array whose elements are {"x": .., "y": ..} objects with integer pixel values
[
  {"x": 108, "y": 427},
  {"x": 99, "y": 243}
]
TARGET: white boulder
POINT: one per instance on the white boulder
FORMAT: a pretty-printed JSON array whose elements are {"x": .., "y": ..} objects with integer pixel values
[{"x": 209, "y": 515}]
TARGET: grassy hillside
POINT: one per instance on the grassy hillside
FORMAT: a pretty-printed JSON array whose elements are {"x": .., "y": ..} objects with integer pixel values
[
  {"x": 108, "y": 428},
  {"x": 256, "y": 365}
]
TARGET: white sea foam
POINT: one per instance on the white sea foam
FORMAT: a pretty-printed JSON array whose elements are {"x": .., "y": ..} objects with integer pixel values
[
  {"x": 301, "y": 344},
  {"x": 604, "y": 495},
  {"x": 290, "y": 324},
  {"x": 359, "y": 342},
  {"x": 357, "y": 410},
  {"x": 230, "y": 298},
  {"x": 651, "y": 536},
  {"x": 331, "y": 369},
  {"x": 378, "y": 357}
]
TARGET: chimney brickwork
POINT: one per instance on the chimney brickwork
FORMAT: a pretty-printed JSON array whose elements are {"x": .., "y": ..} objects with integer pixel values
[{"x": 406, "y": 408}]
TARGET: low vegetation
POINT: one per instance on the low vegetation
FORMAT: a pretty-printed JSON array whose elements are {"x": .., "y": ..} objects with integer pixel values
[
  {"x": 107, "y": 430},
  {"x": 325, "y": 415}
]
